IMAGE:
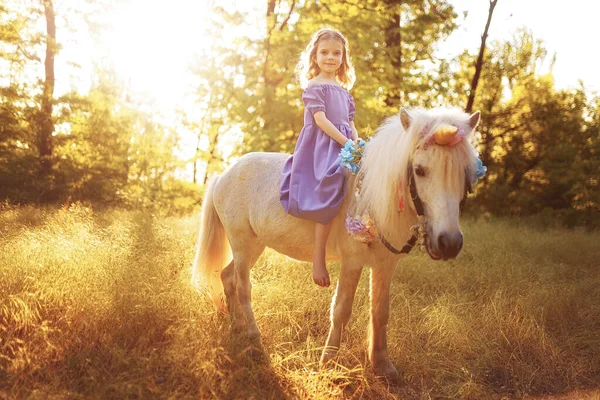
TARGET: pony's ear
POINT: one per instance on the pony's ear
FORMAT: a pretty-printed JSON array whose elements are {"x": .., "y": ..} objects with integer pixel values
[
  {"x": 405, "y": 118},
  {"x": 474, "y": 119}
]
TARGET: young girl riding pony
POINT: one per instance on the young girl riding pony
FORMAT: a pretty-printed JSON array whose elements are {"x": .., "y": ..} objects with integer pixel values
[{"x": 312, "y": 184}]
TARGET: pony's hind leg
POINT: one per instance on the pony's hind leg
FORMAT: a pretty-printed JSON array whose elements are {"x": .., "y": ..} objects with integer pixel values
[
  {"x": 244, "y": 261},
  {"x": 341, "y": 308},
  {"x": 236, "y": 280},
  {"x": 228, "y": 278}
]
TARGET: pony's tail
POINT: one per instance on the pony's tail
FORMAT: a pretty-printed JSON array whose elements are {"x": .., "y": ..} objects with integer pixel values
[{"x": 212, "y": 250}]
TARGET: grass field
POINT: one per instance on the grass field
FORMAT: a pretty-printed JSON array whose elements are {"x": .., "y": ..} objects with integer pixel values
[{"x": 99, "y": 305}]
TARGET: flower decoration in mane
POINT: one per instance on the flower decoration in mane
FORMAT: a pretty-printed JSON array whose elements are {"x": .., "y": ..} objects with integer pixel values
[
  {"x": 480, "y": 170},
  {"x": 361, "y": 228}
]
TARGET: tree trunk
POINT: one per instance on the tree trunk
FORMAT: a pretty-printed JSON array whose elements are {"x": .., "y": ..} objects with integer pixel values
[
  {"x": 269, "y": 82},
  {"x": 393, "y": 43},
  {"x": 400, "y": 83},
  {"x": 479, "y": 64},
  {"x": 46, "y": 127}
]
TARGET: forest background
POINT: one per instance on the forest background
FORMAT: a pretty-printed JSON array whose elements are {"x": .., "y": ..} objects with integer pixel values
[{"x": 72, "y": 129}]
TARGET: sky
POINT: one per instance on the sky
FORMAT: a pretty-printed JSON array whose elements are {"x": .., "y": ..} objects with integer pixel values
[
  {"x": 153, "y": 42},
  {"x": 568, "y": 28}
]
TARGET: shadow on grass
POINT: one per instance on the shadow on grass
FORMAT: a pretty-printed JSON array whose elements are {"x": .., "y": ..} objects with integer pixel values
[{"x": 249, "y": 372}]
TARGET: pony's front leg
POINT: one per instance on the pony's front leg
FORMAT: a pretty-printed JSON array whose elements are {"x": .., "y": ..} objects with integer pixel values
[
  {"x": 341, "y": 307},
  {"x": 381, "y": 279}
]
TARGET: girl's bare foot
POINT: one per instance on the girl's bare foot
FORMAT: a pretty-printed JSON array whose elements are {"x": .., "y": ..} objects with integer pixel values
[{"x": 320, "y": 274}]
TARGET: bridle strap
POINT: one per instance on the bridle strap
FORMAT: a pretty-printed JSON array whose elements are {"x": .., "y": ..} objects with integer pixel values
[
  {"x": 414, "y": 195},
  {"x": 468, "y": 189},
  {"x": 405, "y": 250}
]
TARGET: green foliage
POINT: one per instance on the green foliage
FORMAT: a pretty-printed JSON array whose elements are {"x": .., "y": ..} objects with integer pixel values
[
  {"x": 93, "y": 163},
  {"x": 540, "y": 144},
  {"x": 173, "y": 197}
]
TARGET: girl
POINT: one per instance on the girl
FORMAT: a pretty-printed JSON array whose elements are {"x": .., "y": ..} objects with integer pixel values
[{"x": 312, "y": 184}]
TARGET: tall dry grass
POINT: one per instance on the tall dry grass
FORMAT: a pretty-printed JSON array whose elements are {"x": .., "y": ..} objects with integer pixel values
[{"x": 99, "y": 305}]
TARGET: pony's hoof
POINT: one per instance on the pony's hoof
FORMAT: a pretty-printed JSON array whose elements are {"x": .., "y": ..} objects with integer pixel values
[
  {"x": 257, "y": 350},
  {"x": 257, "y": 353},
  {"x": 386, "y": 370},
  {"x": 327, "y": 355},
  {"x": 238, "y": 326}
]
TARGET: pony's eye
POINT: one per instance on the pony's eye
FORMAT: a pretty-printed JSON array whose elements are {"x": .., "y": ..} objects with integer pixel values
[{"x": 419, "y": 171}]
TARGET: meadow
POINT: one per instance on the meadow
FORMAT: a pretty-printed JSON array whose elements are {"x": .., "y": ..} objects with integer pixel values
[{"x": 98, "y": 304}]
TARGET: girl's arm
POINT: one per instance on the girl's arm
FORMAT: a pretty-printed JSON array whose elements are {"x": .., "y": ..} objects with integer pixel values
[
  {"x": 354, "y": 131},
  {"x": 330, "y": 129}
]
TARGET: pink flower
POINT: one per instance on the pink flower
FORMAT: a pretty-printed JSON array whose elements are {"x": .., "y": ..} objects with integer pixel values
[{"x": 361, "y": 229}]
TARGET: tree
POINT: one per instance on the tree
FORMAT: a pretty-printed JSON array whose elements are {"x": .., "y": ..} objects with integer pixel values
[
  {"x": 19, "y": 158},
  {"x": 93, "y": 150},
  {"x": 46, "y": 124},
  {"x": 479, "y": 64}
]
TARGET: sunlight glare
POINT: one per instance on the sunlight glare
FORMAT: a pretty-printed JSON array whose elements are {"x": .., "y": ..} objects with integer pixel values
[{"x": 152, "y": 43}]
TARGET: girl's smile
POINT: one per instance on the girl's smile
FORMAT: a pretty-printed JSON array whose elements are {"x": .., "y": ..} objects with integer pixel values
[{"x": 329, "y": 56}]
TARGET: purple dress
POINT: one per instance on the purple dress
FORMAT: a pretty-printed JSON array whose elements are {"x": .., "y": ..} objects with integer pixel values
[{"x": 312, "y": 181}]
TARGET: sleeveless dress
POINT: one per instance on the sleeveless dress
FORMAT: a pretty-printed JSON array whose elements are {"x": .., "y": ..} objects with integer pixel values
[{"x": 312, "y": 181}]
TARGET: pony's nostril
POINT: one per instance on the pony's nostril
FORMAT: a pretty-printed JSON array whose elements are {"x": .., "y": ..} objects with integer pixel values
[
  {"x": 450, "y": 244},
  {"x": 443, "y": 243}
]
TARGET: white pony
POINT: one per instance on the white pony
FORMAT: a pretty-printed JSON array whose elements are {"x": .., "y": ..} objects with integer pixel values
[{"x": 241, "y": 215}]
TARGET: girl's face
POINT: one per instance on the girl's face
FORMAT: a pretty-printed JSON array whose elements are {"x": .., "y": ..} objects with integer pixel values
[{"x": 330, "y": 53}]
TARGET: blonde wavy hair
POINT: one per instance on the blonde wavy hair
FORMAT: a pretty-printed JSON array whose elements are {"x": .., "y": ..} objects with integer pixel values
[{"x": 307, "y": 67}]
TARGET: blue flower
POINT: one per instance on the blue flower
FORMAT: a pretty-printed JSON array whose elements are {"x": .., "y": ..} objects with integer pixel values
[
  {"x": 351, "y": 154},
  {"x": 346, "y": 155},
  {"x": 480, "y": 170}
]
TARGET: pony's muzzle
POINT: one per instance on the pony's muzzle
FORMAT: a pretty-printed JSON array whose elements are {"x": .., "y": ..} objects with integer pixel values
[{"x": 449, "y": 244}]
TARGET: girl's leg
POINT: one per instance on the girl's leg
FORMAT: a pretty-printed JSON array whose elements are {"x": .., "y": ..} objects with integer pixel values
[{"x": 320, "y": 274}]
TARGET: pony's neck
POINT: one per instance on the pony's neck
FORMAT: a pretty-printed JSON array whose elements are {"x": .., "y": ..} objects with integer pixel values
[{"x": 397, "y": 230}]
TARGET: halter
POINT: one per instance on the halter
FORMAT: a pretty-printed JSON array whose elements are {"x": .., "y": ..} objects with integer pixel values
[{"x": 419, "y": 231}]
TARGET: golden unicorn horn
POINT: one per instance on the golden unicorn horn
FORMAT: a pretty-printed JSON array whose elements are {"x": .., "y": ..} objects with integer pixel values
[{"x": 445, "y": 134}]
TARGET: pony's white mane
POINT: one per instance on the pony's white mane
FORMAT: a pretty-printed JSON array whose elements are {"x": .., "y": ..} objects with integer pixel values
[{"x": 387, "y": 155}]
